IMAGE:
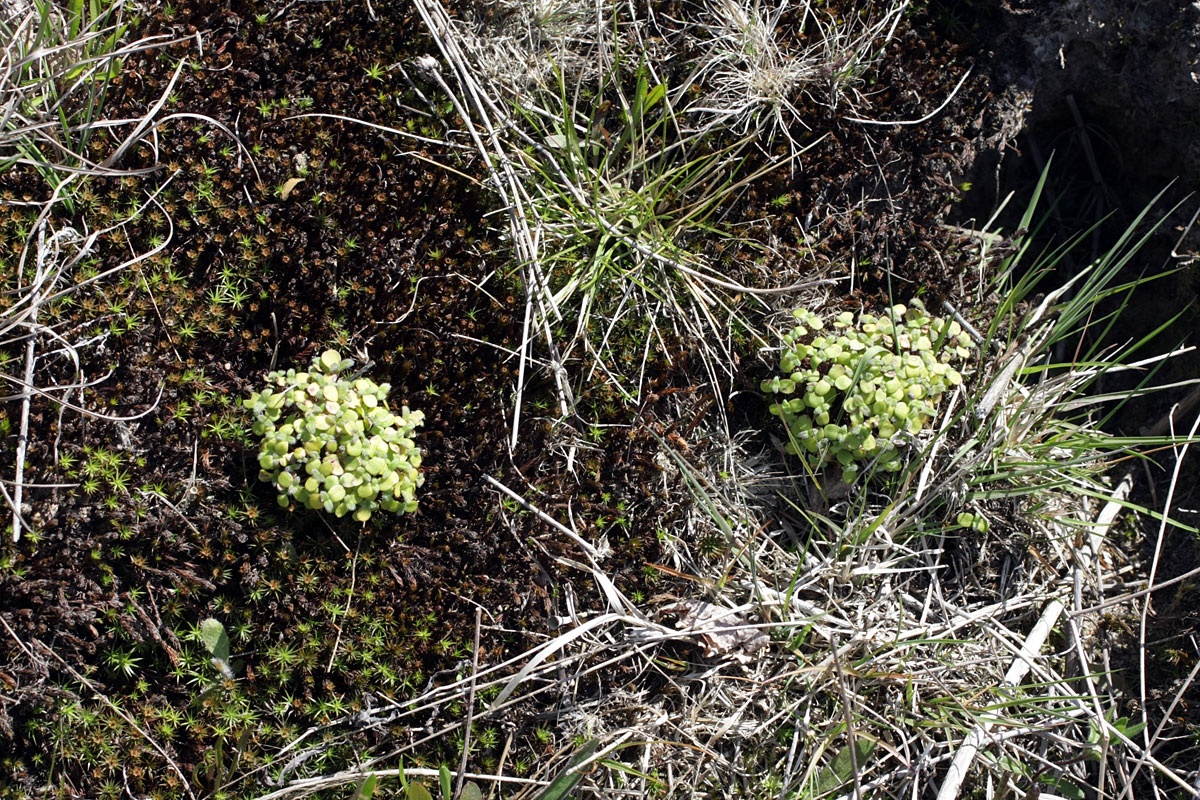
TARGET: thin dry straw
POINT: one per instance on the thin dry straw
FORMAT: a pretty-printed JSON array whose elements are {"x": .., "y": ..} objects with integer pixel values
[
  {"x": 977, "y": 738},
  {"x": 1180, "y": 454},
  {"x": 1033, "y": 643},
  {"x": 441, "y": 28},
  {"x": 50, "y": 265}
]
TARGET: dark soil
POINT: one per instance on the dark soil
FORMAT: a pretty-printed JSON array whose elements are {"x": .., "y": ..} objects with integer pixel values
[{"x": 142, "y": 529}]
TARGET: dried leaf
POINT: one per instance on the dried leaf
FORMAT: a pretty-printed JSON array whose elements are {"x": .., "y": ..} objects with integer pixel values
[
  {"x": 288, "y": 186},
  {"x": 719, "y": 630}
]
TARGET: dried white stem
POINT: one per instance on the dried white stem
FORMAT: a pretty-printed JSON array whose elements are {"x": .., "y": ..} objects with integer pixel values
[{"x": 1016, "y": 673}]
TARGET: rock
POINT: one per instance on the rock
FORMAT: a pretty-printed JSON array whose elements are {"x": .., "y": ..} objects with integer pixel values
[{"x": 1133, "y": 71}]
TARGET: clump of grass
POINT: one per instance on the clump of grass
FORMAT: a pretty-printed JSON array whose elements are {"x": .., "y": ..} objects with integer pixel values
[
  {"x": 612, "y": 205},
  {"x": 622, "y": 203},
  {"x": 755, "y": 73},
  {"x": 57, "y": 68},
  {"x": 526, "y": 43}
]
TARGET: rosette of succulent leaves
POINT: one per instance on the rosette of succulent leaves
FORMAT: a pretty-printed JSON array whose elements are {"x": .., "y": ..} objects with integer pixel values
[
  {"x": 329, "y": 441},
  {"x": 852, "y": 394}
]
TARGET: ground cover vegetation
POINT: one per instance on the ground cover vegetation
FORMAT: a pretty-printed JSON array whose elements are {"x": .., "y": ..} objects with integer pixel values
[
  {"x": 339, "y": 448},
  {"x": 579, "y": 240},
  {"x": 892, "y": 369}
]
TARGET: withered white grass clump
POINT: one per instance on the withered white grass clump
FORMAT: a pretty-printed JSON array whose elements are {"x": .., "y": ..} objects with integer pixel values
[
  {"x": 754, "y": 71},
  {"x": 522, "y": 45}
]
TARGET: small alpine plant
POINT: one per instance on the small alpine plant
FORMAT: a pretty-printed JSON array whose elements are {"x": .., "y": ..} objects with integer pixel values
[
  {"x": 850, "y": 394},
  {"x": 329, "y": 441}
]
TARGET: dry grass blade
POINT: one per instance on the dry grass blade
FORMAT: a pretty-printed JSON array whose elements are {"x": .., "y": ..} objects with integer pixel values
[
  {"x": 54, "y": 73},
  {"x": 1180, "y": 453}
]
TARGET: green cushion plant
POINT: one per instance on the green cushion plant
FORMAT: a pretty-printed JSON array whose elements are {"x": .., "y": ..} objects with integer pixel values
[
  {"x": 329, "y": 441},
  {"x": 850, "y": 393}
]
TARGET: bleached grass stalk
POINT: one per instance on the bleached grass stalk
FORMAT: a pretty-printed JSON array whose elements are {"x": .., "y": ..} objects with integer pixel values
[
  {"x": 1087, "y": 567},
  {"x": 920, "y": 120},
  {"x": 49, "y": 256},
  {"x": 977, "y": 738},
  {"x": 587, "y": 547},
  {"x": 467, "y": 723},
  {"x": 305, "y": 787},
  {"x": 1180, "y": 453}
]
